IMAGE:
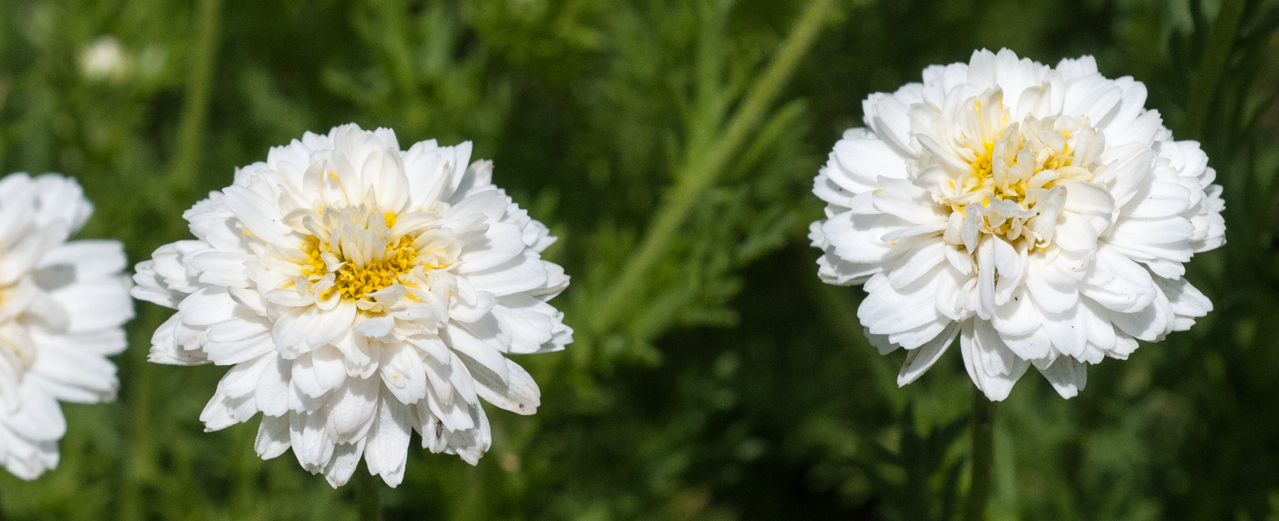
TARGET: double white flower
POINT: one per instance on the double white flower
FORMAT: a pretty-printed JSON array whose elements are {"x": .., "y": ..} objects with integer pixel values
[
  {"x": 360, "y": 292},
  {"x": 1040, "y": 214},
  {"x": 62, "y": 305}
]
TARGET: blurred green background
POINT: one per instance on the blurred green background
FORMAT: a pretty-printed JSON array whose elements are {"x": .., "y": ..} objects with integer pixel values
[{"x": 671, "y": 148}]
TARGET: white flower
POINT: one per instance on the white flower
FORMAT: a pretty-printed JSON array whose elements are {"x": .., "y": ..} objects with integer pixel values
[
  {"x": 62, "y": 305},
  {"x": 359, "y": 291},
  {"x": 104, "y": 58},
  {"x": 1041, "y": 214}
]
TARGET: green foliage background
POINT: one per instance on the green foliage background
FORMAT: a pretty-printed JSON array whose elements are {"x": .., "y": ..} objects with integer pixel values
[{"x": 713, "y": 376}]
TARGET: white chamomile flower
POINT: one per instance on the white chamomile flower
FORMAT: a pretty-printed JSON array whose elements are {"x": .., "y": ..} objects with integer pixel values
[
  {"x": 1040, "y": 214},
  {"x": 105, "y": 58},
  {"x": 62, "y": 305},
  {"x": 360, "y": 292}
]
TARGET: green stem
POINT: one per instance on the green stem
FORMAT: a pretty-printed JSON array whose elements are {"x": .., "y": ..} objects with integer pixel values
[
  {"x": 983, "y": 457},
  {"x": 195, "y": 107},
  {"x": 141, "y": 467},
  {"x": 367, "y": 500},
  {"x": 700, "y": 171},
  {"x": 1215, "y": 60},
  {"x": 834, "y": 307}
]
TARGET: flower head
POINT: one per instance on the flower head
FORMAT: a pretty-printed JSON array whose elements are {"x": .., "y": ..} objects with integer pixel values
[
  {"x": 105, "y": 58},
  {"x": 62, "y": 305},
  {"x": 360, "y": 292},
  {"x": 1040, "y": 214}
]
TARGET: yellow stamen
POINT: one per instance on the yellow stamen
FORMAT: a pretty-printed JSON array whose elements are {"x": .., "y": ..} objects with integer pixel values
[{"x": 358, "y": 282}]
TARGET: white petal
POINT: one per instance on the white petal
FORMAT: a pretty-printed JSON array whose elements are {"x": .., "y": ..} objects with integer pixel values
[
  {"x": 96, "y": 304},
  {"x": 517, "y": 392},
  {"x": 1067, "y": 375},
  {"x": 165, "y": 349},
  {"x": 272, "y": 395},
  {"x": 352, "y": 409},
  {"x": 38, "y": 418},
  {"x": 258, "y": 215},
  {"x": 918, "y": 360},
  {"x": 466, "y": 343},
  {"x": 311, "y": 444},
  {"x": 386, "y": 452},
  {"x": 403, "y": 373},
  {"x": 501, "y": 243},
  {"x": 273, "y": 437},
  {"x": 981, "y": 347},
  {"x": 346, "y": 457},
  {"x": 523, "y": 273}
]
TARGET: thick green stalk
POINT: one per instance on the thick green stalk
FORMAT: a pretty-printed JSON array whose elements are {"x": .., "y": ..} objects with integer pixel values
[
  {"x": 983, "y": 457},
  {"x": 140, "y": 467},
  {"x": 195, "y": 108},
  {"x": 834, "y": 307},
  {"x": 701, "y": 170},
  {"x": 179, "y": 182},
  {"x": 367, "y": 497},
  {"x": 1215, "y": 61}
]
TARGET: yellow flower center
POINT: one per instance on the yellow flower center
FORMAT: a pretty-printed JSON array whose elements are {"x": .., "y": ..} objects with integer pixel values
[
  {"x": 1015, "y": 189},
  {"x": 354, "y": 252},
  {"x": 357, "y": 282},
  {"x": 1018, "y": 181},
  {"x": 1011, "y": 187}
]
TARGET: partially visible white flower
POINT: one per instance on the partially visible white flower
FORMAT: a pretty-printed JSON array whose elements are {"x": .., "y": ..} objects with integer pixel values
[
  {"x": 1040, "y": 214},
  {"x": 104, "y": 58},
  {"x": 360, "y": 292},
  {"x": 62, "y": 305}
]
